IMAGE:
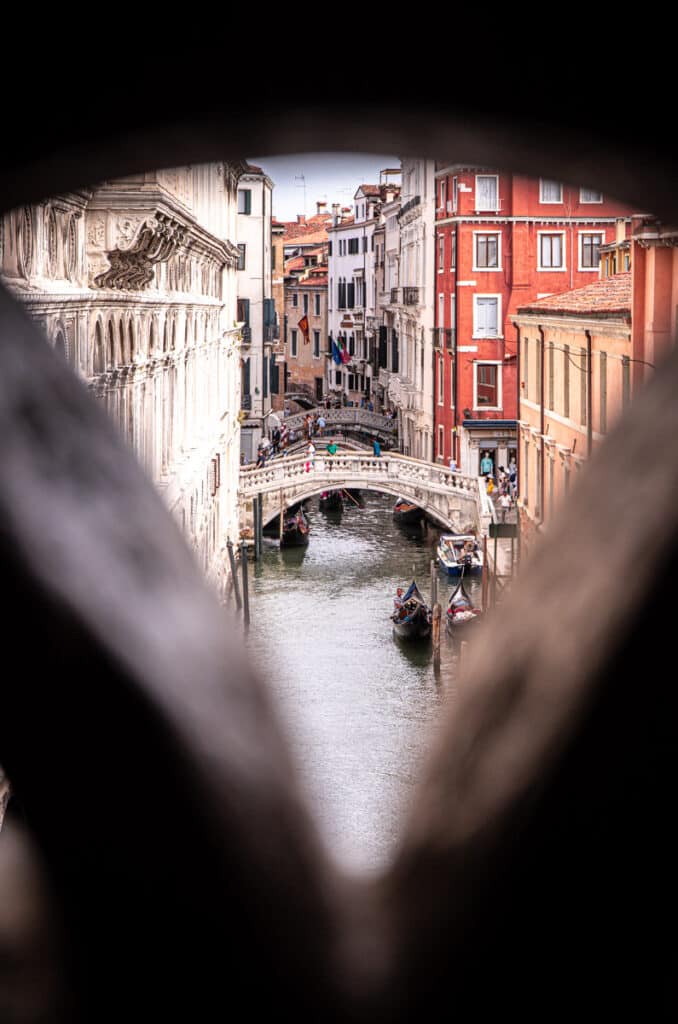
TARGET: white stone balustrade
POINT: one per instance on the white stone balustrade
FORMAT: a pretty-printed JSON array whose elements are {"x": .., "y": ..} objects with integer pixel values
[{"x": 452, "y": 499}]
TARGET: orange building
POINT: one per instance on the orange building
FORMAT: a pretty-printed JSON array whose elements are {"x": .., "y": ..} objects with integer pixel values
[{"x": 581, "y": 357}]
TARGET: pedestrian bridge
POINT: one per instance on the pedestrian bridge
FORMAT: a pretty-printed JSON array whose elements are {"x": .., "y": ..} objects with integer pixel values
[
  {"x": 346, "y": 420},
  {"x": 454, "y": 501}
]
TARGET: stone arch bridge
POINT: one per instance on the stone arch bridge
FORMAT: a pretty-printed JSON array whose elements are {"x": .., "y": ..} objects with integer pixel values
[
  {"x": 350, "y": 420},
  {"x": 452, "y": 500}
]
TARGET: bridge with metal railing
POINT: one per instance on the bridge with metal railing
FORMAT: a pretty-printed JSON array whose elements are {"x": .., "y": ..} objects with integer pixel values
[{"x": 453, "y": 500}]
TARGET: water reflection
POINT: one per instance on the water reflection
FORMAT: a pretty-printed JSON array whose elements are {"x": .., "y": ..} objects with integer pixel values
[{"x": 359, "y": 704}]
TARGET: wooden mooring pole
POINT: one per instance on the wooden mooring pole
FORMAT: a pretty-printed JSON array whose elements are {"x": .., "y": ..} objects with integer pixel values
[
  {"x": 234, "y": 574},
  {"x": 282, "y": 514},
  {"x": 245, "y": 583},
  {"x": 435, "y": 636}
]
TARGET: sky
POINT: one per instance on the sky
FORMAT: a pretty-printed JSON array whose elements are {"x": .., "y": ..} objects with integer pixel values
[{"x": 327, "y": 177}]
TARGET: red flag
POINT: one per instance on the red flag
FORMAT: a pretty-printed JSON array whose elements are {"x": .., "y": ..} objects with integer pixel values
[{"x": 303, "y": 326}]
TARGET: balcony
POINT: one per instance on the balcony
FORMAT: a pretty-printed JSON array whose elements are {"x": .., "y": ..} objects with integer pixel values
[
  {"x": 271, "y": 333},
  {"x": 410, "y": 296},
  {"x": 415, "y": 201},
  {"x": 490, "y": 207},
  {"x": 246, "y": 333},
  {"x": 246, "y": 402}
]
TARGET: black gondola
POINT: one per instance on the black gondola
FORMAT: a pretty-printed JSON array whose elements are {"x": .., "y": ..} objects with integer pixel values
[
  {"x": 405, "y": 512},
  {"x": 461, "y": 612},
  {"x": 412, "y": 616},
  {"x": 295, "y": 531},
  {"x": 331, "y": 501}
]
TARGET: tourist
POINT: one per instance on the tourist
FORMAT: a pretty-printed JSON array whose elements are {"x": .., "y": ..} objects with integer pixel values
[
  {"x": 486, "y": 464},
  {"x": 310, "y": 457},
  {"x": 376, "y": 448},
  {"x": 332, "y": 448},
  {"x": 453, "y": 464},
  {"x": 322, "y": 423},
  {"x": 505, "y": 504}
]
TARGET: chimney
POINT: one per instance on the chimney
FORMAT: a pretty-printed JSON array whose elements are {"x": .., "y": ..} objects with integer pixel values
[
  {"x": 335, "y": 213},
  {"x": 301, "y": 218},
  {"x": 320, "y": 207}
]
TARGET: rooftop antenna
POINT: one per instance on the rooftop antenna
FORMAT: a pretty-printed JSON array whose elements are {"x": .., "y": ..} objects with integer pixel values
[{"x": 300, "y": 177}]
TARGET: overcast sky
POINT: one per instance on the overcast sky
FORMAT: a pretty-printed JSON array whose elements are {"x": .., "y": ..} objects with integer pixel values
[{"x": 328, "y": 177}]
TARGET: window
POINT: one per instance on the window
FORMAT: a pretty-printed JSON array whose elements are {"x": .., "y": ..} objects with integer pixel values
[
  {"x": 589, "y": 255},
  {"x": 550, "y": 191},
  {"x": 526, "y": 367},
  {"x": 441, "y": 441},
  {"x": 589, "y": 195},
  {"x": 244, "y": 200},
  {"x": 453, "y": 252},
  {"x": 551, "y": 251},
  {"x": 487, "y": 252},
  {"x": 441, "y": 202},
  {"x": 603, "y": 392},
  {"x": 337, "y": 377},
  {"x": 242, "y": 256},
  {"x": 441, "y": 382},
  {"x": 441, "y": 254},
  {"x": 441, "y": 310},
  {"x": 353, "y": 245},
  {"x": 487, "y": 386},
  {"x": 294, "y": 342},
  {"x": 329, "y": 248},
  {"x": 316, "y": 344},
  {"x": 295, "y": 298},
  {"x": 487, "y": 188},
  {"x": 316, "y": 303},
  {"x": 364, "y": 243},
  {"x": 305, "y": 302},
  {"x": 486, "y": 316},
  {"x": 455, "y": 189}
]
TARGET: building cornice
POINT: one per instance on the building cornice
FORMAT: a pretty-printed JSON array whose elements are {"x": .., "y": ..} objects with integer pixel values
[
  {"x": 610, "y": 326},
  {"x": 482, "y": 218}
]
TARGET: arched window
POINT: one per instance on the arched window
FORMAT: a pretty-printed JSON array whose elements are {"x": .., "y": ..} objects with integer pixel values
[
  {"x": 121, "y": 333},
  {"x": 110, "y": 346},
  {"x": 99, "y": 362},
  {"x": 60, "y": 344}
]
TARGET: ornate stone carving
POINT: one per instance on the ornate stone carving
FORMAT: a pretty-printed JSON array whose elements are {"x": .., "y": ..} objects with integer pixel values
[
  {"x": 125, "y": 230},
  {"x": 96, "y": 233},
  {"x": 131, "y": 268}
]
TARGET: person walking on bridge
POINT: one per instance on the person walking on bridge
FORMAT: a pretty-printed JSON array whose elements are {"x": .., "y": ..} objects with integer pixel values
[{"x": 321, "y": 424}]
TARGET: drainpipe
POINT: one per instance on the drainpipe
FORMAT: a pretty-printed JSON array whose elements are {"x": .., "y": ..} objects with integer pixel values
[
  {"x": 542, "y": 454},
  {"x": 457, "y": 441},
  {"x": 589, "y": 395}
]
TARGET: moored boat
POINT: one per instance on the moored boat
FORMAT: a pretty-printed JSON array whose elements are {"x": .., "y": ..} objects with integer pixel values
[
  {"x": 330, "y": 501},
  {"x": 405, "y": 512},
  {"x": 295, "y": 531},
  {"x": 411, "y": 616},
  {"x": 461, "y": 611},
  {"x": 459, "y": 554}
]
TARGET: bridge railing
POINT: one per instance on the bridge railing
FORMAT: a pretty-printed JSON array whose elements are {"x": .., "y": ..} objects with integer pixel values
[
  {"x": 391, "y": 469},
  {"x": 345, "y": 417}
]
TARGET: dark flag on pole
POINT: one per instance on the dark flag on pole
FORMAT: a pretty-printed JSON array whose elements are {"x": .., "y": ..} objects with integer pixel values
[{"x": 303, "y": 327}]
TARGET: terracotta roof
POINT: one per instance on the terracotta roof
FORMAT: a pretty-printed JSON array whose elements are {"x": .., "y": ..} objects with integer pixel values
[
  {"x": 294, "y": 263},
  {"x": 253, "y": 169},
  {"x": 602, "y": 298},
  {"x": 312, "y": 282},
  {"x": 302, "y": 232},
  {"x": 369, "y": 190}
]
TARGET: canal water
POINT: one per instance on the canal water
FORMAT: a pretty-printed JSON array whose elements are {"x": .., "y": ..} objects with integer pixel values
[{"x": 359, "y": 705}]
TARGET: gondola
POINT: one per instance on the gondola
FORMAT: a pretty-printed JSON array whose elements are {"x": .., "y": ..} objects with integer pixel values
[
  {"x": 460, "y": 555},
  {"x": 295, "y": 531},
  {"x": 405, "y": 512},
  {"x": 331, "y": 501},
  {"x": 412, "y": 616},
  {"x": 461, "y": 612}
]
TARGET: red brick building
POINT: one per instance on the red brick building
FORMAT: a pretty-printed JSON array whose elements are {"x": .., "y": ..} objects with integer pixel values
[{"x": 501, "y": 241}]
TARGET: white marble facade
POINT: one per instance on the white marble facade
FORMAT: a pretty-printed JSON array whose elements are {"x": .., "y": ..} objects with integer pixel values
[{"x": 134, "y": 283}]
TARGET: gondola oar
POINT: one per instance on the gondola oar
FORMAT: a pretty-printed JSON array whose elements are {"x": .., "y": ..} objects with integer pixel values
[{"x": 351, "y": 497}]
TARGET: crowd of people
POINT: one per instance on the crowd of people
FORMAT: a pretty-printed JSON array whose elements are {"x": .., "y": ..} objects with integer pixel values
[{"x": 501, "y": 486}]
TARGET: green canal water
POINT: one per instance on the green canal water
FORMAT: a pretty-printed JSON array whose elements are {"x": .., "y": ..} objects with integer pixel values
[{"x": 360, "y": 706}]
